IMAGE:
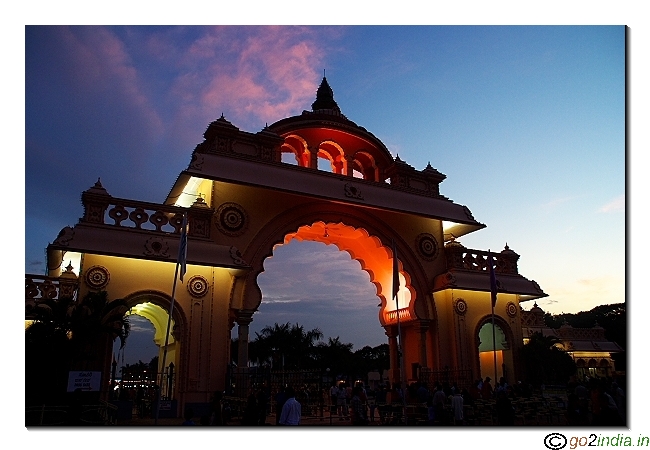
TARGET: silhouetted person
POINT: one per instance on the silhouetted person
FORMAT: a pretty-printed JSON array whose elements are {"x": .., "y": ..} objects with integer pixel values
[
  {"x": 217, "y": 416},
  {"x": 280, "y": 398},
  {"x": 262, "y": 401},
  {"x": 358, "y": 408},
  {"x": 505, "y": 411},
  {"x": 291, "y": 410},
  {"x": 486, "y": 389},
  {"x": 251, "y": 412},
  {"x": 457, "y": 408},
  {"x": 75, "y": 408},
  {"x": 189, "y": 414}
]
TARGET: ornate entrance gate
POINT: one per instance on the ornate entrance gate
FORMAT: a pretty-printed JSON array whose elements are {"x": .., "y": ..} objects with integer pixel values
[{"x": 242, "y": 200}]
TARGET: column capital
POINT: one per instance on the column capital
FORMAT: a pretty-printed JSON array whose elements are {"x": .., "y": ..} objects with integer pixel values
[
  {"x": 390, "y": 331},
  {"x": 244, "y": 316}
]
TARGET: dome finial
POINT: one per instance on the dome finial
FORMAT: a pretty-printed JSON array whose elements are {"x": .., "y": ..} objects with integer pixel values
[{"x": 325, "y": 97}]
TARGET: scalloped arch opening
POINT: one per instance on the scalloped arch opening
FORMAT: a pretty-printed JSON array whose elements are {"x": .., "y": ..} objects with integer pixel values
[{"x": 375, "y": 258}]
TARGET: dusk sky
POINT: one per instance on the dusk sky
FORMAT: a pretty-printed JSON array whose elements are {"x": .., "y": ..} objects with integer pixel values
[{"x": 528, "y": 124}]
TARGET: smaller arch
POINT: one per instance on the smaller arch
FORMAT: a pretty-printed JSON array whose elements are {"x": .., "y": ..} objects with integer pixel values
[
  {"x": 333, "y": 152},
  {"x": 484, "y": 360},
  {"x": 295, "y": 144},
  {"x": 367, "y": 165}
]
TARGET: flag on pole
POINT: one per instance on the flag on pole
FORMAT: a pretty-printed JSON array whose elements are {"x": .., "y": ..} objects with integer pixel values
[
  {"x": 395, "y": 272},
  {"x": 493, "y": 279},
  {"x": 182, "y": 248}
]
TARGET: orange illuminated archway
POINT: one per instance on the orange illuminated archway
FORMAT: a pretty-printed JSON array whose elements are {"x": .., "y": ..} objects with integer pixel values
[{"x": 375, "y": 258}]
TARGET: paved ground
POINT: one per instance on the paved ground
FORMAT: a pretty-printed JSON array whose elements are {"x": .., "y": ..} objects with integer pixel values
[{"x": 270, "y": 421}]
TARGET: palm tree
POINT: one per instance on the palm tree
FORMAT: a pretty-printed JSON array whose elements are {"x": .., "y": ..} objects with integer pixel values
[
  {"x": 48, "y": 350},
  {"x": 285, "y": 341},
  {"x": 96, "y": 317}
]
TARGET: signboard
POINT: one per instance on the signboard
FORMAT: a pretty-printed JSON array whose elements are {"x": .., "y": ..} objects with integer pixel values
[
  {"x": 165, "y": 405},
  {"x": 84, "y": 380}
]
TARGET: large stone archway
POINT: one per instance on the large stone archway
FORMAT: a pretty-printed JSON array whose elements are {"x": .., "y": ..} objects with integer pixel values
[
  {"x": 241, "y": 200},
  {"x": 374, "y": 256}
]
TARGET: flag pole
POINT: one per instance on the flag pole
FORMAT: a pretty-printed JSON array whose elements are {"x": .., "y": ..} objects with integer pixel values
[
  {"x": 180, "y": 263},
  {"x": 493, "y": 300},
  {"x": 400, "y": 358}
]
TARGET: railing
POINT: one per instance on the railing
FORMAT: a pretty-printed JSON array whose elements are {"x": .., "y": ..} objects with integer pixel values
[
  {"x": 40, "y": 287},
  {"x": 49, "y": 415},
  {"x": 462, "y": 377},
  {"x": 46, "y": 415},
  {"x": 404, "y": 314},
  {"x": 459, "y": 257},
  {"x": 101, "y": 208}
]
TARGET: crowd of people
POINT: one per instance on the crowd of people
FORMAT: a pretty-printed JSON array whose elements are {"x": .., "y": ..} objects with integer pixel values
[{"x": 590, "y": 402}]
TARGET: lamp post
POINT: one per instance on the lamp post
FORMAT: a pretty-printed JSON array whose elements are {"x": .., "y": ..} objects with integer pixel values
[{"x": 113, "y": 371}]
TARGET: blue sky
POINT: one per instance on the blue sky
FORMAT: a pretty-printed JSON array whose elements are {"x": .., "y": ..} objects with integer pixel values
[{"x": 528, "y": 124}]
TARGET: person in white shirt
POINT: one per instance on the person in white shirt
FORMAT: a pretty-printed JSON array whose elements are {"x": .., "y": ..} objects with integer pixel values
[{"x": 291, "y": 409}]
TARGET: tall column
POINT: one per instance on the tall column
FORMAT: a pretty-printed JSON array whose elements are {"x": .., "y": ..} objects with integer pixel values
[
  {"x": 391, "y": 332},
  {"x": 244, "y": 318},
  {"x": 422, "y": 327}
]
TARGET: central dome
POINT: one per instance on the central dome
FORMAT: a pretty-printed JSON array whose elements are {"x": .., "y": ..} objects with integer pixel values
[{"x": 326, "y": 131}]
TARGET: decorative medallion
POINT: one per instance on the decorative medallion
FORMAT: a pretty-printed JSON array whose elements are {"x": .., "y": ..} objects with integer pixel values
[
  {"x": 427, "y": 246},
  {"x": 231, "y": 219},
  {"x": 460, "y": 306},
  {"x": 156, "y": 246},
  {"x": 197, "y": 286},
  {"x": 352, "y": 192},
  {"x": 511, "y": 309},
  {"x": 97, "y": 277}
]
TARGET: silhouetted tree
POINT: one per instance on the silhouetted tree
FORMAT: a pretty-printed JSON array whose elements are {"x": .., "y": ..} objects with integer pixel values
[
  {"x": 334, "y": 355},
  {"x": 289, "y": 342},
  {"x": 66, "y": 334},
  {"x": 369, "y": 359},
  {"x": 544, "y": 362}
]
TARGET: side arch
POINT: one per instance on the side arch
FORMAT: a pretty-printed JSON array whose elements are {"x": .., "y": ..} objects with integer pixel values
[
  {"x": 508, "y": 355},
  {"x": 179, "y": 332}
]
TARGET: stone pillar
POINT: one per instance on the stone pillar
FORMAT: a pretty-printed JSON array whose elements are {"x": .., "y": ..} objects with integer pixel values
[
  {"x": 338, "y": 164},
  {"x": 313, "y": 157},
  {"x": 244, "y": 318},
  {"x": 349, "y": 165},
  {"x": 391, "y": 332},
  {"x": 422, "y": 327}
]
